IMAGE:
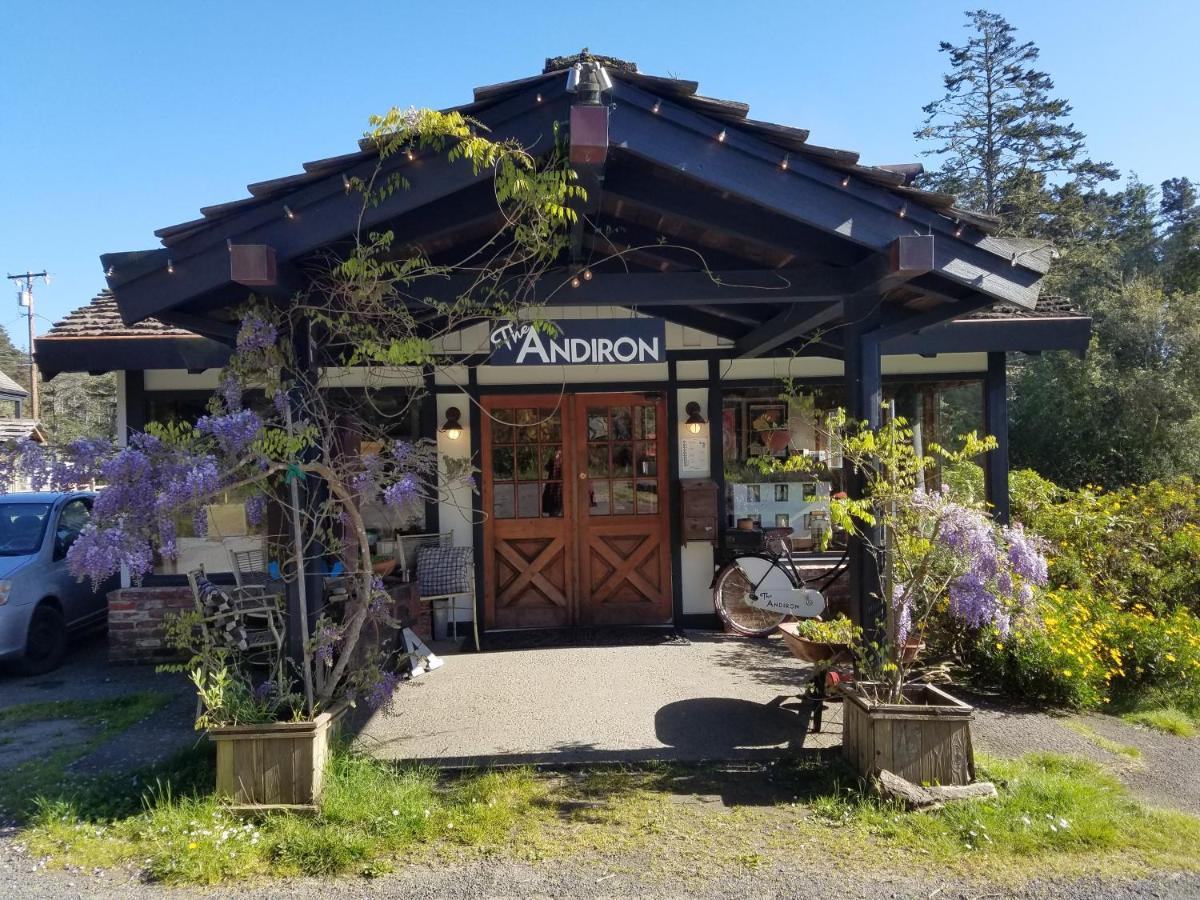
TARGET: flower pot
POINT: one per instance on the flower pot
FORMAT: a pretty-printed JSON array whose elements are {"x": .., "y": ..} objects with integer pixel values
[
  {"x": 278, "y": 764},
  {"x": 926, "y": 739},
  {"x": 815, "y": 652}
]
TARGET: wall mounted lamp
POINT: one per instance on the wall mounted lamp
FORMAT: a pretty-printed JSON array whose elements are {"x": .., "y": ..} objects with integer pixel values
[
  {"x": 695, "y": 421},
  {"x": 452, "y": 427}
]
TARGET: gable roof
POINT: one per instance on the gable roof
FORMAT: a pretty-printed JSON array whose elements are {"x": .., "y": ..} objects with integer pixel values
[{"x": 10, "y": 389}]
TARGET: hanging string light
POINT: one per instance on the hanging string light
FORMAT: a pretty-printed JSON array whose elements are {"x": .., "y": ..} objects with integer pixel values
[
  {"x": 721, "y": 136},
  {"x": 903, "y": 211},
  {"x": 846, "y": 181},
  {"x": 783, "y": 163},
  {"x": 657, "y": 106},
  {"x": 287, "y": 212},
  {"x": 170, "y": 266}
]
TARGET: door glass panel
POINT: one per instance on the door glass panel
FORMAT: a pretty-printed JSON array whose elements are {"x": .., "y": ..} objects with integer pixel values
[
  {"x": 597, "y": 460},
  {"x": 622, "y": 423},
  {"x": 622, "y": 459},
  {"x": 502, "y": 463},
  {"x": 503, "y": 501},
  {"x": 552, "y": 499},
  {"x": 529, "y": 500},
  {"x": 597, "y": 423},
  {"x": 502, "y": 430},
  {"x": 622, "y": 497},
  {"x": 550, "y": 429},
  {"x": 527, "y": 463},
  {"x": 647, "y": 458},
  {"x": 551, "y": 462},
  {"x": 527, "y": 421},
  {"x": 647, "y": 498},
  {"x": 647, "y": 422},
  {"x": 598, "y": 502}
]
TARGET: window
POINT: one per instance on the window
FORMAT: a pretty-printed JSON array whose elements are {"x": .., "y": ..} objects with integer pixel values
[
  {"x": 761, "y": 430},
  {"x": 71, "y": 520}
]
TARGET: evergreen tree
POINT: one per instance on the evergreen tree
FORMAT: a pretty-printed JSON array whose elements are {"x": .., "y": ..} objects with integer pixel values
[
  {"x": 1004, "y": 140},
  {"x": 14, "y": 362},
  {"x": 1180, "y": 213}
]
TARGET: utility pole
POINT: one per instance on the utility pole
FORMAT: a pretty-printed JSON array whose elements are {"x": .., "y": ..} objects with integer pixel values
[{"x": 25, "y": 299}]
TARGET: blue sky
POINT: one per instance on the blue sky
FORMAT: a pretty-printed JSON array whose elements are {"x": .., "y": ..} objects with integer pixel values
[{"x": 122, "y": 117}]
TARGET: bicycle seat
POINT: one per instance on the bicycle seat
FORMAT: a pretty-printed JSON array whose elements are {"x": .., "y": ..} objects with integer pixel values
[{"x": 779, "y": 532}]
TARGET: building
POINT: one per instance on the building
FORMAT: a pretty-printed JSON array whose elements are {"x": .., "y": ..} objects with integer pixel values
[{"x": 596, "y": 447}]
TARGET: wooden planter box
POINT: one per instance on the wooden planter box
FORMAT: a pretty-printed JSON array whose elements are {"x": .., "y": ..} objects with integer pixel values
[
  {"x": 280, "y": 765},
  {"x": 926, "y": 740}
]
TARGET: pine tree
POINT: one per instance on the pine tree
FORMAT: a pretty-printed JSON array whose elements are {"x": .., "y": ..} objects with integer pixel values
[
  {"x": 14, "y": 362},
  {"x": 1180, "y": 216},
  {"x": 1004, "y": 140}
]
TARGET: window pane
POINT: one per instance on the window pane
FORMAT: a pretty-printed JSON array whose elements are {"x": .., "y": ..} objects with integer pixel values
[
  {"x": 622, "y": 459},
  {"x": 647, "y": 498},
  {"x": 598, "y": 504},
  {"x": 502, "y": 430},
  {"x": 503, "y": 501},
  {"x": 502, "y": 463},
  {"x": 527, "y": 463},
  {"x": 597, "y": 423},
  {"x": 622, "y": 499},
  {"x": 527, "y": 422},
  {"x": 550, "y": 431},
  {"x": 622, "y": 423},
  {"x": 647, "y": 458},
  {"x": 645, "y": 422},
  {"x": 597, "y": 460},
  {"x": 552, "y": 499},
  {"x": 552, "y": 462},
  {"x": 529, "y": 500}
]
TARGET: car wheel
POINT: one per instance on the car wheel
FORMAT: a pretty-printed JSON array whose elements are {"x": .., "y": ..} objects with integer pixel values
[{"x": 47, "y": 641}]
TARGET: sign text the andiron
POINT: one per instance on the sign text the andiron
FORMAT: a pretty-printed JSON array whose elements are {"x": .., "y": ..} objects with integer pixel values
[{"x": 580, "y": 342}]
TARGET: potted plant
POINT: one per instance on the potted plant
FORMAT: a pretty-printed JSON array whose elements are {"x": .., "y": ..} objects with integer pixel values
[{"x": 931, "y": 556}]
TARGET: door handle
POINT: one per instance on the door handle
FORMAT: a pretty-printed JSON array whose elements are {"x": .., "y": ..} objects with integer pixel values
[{"x": 583, "y": 476}]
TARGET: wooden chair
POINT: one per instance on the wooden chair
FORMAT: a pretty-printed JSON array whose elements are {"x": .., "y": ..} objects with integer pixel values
[
  {"x": 249, "y": 621},
  {"x": 250, "y": 569}
]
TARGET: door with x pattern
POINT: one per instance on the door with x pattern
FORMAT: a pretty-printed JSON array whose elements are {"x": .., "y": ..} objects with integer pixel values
[{"x": 577, "y": 527}]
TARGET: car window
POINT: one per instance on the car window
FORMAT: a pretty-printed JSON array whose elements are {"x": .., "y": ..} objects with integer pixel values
[
  {"x": 21, "y": 527},
  {"x": 71, "y": 520}
]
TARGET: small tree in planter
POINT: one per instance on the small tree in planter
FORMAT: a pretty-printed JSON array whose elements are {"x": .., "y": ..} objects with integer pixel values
[
  {"x": 935, "y": 557},
  {"x": 315, "y": 451}
]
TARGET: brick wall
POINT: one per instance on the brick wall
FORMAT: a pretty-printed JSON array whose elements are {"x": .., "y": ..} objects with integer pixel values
[{"x": 136, "y": 617}]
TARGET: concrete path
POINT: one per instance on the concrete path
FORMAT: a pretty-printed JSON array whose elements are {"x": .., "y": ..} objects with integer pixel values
[{"x": 716, "y": 697}]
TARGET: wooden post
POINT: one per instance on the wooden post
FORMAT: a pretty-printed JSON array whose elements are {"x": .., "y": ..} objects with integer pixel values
[
  {"x": 995, "y": 423},
  {"x": 864, "y": 396}
]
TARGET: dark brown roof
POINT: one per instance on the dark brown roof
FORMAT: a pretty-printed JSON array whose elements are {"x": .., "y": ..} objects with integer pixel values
[
  {"x": 101, "y": 318},
  {"x": 1046, "y": 308},
  {"x": 897, "y": 178}
]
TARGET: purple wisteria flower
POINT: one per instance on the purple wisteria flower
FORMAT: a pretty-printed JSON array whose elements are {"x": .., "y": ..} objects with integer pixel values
[
  {"x": 230, "y": 390},
  {"x": 401, "y": 491},
  {"x": 233, "y": 432},
  {"x": 200, "y": 521},
  {"x": 256, "y": 508},
  {"x": 1026, "y": 555},
  {"x": 381, "y": 694},
  {"x": 256, "y": 334}
]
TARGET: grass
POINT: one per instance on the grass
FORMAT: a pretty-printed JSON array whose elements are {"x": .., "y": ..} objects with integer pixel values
[
  {"x": 1055, "y": 816},
  {"x": 1127, "y": 750},
  {"x": 1167, "y": 719},
  {"x": 44, "y": 775}
]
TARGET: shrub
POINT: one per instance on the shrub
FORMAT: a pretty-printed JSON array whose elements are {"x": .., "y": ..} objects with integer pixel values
[{"x": 1118, "y": 623}]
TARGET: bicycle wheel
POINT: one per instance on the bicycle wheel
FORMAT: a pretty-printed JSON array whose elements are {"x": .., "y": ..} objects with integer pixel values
[{"x": 731, "y": 597}]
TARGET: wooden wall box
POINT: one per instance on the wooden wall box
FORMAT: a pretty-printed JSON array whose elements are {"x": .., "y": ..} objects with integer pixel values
[{"x": 699, "y": 509}]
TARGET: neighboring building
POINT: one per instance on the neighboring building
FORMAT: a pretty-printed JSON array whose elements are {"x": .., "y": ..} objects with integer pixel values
[{"x": 585, "y": 523}]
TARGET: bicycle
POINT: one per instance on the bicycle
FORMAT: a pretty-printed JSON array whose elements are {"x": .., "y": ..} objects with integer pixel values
[{"x": 757, "y": 589}]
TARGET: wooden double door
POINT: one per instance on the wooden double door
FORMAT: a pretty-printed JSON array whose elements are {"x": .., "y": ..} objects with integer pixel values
[{"x": 576, "y": 528}]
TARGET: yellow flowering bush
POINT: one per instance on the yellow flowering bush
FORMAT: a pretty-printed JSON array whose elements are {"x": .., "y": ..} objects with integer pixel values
[{"x": 1119, "y": 620}]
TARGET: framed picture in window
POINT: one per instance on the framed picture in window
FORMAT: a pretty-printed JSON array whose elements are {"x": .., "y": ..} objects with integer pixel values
[
  {"x": 769, "y": 432},
  {"x": 809, "y": 489},
  {"x": 781, "y": 493}
]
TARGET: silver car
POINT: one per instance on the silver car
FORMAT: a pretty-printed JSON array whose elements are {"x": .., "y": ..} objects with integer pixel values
[{"x": 40, "y": 600}]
